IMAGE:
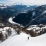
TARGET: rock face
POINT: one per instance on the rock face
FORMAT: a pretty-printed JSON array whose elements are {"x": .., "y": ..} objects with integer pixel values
[{"x": 34, "y": 16}]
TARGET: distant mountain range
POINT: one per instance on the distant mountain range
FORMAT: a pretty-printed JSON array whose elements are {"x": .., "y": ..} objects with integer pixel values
[
  {"x": 32, "y": 17},
  {"x": 24, "y": 15},
  {"x": 9, "y": 11}
]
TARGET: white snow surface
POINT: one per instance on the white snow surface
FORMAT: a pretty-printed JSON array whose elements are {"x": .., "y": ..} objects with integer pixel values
[
  {"x": 22, "y": 40},
  {"x": 11, "y": 20},
  {"x": 33, "y": 13},
  {"x": 34, "y": 28},
  {"x": 43, "y": 12}
]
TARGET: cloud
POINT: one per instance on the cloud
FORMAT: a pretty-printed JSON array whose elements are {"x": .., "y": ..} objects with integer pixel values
[{"x": 26, "y": 2}]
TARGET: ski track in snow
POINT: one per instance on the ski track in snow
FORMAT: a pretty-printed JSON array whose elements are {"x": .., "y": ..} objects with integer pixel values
[
  {"x": 22, "y": 40},
  {"x": 17, "y": 40}
]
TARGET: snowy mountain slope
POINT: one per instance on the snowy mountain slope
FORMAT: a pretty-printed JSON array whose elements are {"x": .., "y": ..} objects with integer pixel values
[
  {"x": 6, "y": 32},
  {"x": 21, "y": 40},
  {"x": 37, "y": 15},
  {"x": 9, "y": 11},
  {"x": 15, "y": 39}
]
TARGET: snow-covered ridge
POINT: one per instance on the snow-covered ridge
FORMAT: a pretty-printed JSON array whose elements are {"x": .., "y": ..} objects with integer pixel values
[
  {"x": 43, "y": 12},
  {"x": 11, "y": 21},
  {"x": 22, "y": 40},
  {"x": 37, "y": 29},
  {"x": 3, "y": 6},
  {"x": 33, "y": 31}
]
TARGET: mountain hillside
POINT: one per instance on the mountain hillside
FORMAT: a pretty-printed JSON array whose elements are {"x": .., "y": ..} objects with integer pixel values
[
  {"x": 24, "y": 41},
  {"x": 32, "y": 17},
  {"x": 10, "y": 11}
]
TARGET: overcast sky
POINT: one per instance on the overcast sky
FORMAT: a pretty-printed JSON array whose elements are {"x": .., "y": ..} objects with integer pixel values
[{"x": 26, "y": 2}]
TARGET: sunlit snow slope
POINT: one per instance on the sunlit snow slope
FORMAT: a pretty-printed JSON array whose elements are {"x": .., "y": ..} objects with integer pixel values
[{"x": 22, "y": 40}]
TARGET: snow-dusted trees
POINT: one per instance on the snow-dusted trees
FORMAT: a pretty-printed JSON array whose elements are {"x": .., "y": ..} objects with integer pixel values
[
  {"x": 33, "y": 34},
  {"x": 18, "y": 30},
  {"x": 43, "y": 30},
  {"x": 1, "y": 36},
  {"x": 9, "y": 31},
  {"x": 5, "y": 33}
]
